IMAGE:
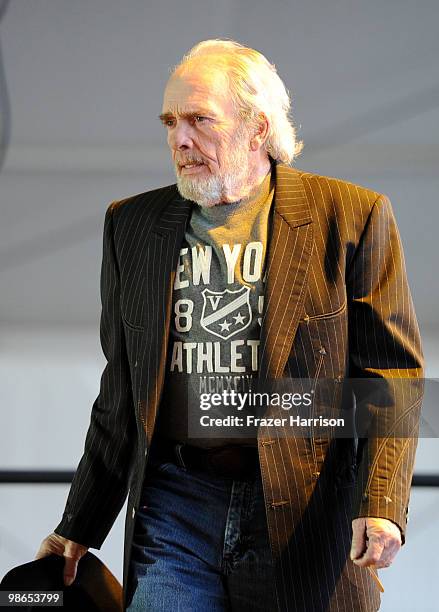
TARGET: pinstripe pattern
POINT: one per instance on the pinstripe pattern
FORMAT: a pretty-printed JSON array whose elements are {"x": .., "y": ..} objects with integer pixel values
[{"x": 337, "y": 305}]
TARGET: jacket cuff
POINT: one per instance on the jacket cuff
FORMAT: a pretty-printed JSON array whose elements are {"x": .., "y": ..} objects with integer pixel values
[{"x": 77, "y": 528}]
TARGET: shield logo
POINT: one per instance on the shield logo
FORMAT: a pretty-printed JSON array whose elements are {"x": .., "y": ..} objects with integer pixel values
[{"x": 226, "y": 313}]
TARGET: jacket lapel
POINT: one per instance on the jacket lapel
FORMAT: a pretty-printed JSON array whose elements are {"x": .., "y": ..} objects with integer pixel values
[
  {"x": 164, "y": 246},
  {"x": 287, "y": 268}
]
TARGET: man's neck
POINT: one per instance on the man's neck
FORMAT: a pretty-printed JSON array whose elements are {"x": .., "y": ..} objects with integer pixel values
[{"x": 258, "y": 178}]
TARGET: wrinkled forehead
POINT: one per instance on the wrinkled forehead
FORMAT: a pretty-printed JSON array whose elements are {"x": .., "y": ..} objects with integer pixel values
[{"x": 197, "y": 87}]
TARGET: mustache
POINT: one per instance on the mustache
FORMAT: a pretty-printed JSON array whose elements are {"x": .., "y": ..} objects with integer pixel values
[{"x": 192, "y": 160}]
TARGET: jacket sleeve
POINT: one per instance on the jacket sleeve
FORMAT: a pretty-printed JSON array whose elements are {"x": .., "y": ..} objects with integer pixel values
[
  {"x": 101, "y": 481},
  {"x": 385, "y": 347}
]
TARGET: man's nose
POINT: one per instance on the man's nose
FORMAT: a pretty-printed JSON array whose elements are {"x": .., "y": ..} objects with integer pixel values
[{"x": 180, "y": 138}]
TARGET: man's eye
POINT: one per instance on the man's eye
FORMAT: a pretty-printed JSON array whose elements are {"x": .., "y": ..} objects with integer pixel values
[{"x": 197, "y": 118}]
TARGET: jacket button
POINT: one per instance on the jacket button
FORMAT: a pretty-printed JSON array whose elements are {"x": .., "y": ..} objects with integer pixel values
[
  {"x": 134, "y": 512},
  {"x": 278, "y": 504},
  {"x": 135, "y": 365}
]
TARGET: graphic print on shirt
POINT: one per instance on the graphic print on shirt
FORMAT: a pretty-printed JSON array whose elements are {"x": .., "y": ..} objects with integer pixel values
[
  {"x": 219, "y": 308},
  {"x": 215, "y": 329}
]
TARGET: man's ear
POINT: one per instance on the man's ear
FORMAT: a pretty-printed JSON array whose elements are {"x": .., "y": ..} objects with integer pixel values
[{"x": 260, "y": 133}]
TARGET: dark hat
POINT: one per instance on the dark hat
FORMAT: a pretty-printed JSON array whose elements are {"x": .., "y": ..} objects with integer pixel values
[{"x": 94, "y": 589}]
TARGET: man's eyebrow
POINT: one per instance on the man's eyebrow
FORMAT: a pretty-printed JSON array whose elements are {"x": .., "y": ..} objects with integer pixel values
[{"x": 201, "y": 111}]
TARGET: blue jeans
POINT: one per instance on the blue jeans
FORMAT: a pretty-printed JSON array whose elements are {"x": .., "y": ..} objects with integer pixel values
[{"x": 200, "y": 544}]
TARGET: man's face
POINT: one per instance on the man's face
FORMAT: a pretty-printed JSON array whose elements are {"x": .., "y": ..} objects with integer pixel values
[{"x": 202, "y": 128}]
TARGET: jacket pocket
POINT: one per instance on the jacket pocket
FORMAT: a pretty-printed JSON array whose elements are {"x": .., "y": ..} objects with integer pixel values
[
  {"x": 132, "y": 326},
  {"x": 325, "y": 315}
]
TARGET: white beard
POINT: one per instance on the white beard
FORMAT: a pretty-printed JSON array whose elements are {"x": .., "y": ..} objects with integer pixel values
[{"x": 211, "y": 190}]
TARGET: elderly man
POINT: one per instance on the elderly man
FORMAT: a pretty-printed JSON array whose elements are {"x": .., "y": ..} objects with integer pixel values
[{"x": 246, "y": 268}]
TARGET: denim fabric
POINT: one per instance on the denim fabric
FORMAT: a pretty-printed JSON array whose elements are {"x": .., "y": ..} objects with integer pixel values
[{"x": 200, "y": 543}]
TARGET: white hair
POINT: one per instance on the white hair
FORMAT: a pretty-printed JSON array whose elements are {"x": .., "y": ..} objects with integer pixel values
[{"x": 255, "y": 88}]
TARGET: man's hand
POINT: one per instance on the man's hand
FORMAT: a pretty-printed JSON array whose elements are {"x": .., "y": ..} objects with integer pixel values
[
  {"x": 71, "y": 551},
  {"x": 375, "y": 541}
]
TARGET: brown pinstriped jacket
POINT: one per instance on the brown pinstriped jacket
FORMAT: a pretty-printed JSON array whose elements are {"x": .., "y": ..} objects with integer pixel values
[{"x": 336, "y": 280}]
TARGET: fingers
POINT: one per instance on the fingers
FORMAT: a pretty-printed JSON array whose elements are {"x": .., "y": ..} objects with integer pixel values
[
  {"x": 42, "y": 552},
  {"x": 72, "y": 554},
  {"x": 372, "y": 554},
  {"x": 70, "y": 567},
  {"x": 358, "y": 547},
  {"x": 52, "y": 544},
  {"x": 383, "y": 541},
  {"x": 71, "y": 551},
  {"x": 388, "y": 554}
]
